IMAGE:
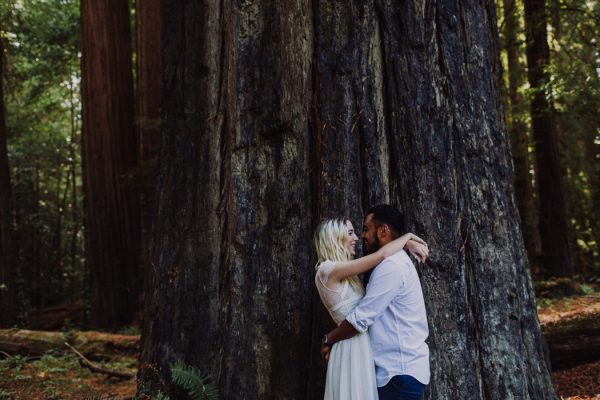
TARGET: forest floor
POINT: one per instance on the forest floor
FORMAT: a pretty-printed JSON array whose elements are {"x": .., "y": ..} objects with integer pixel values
[
  {"x": 62, "y": 376},
  {"x": 581, "y": 382}
]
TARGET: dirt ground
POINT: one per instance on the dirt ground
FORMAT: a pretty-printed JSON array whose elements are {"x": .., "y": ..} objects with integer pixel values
[
  {"x": 578, "y": 383},
  {"x": 61, "y": 377}
]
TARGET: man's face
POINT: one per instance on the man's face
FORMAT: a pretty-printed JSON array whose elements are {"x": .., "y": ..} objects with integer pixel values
[{"x": 369, "y": 235}]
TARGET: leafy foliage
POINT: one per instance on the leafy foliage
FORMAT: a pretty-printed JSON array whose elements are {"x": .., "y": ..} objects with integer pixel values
[
  {"x": 574, "y": 87},
  {"x": 160, "y": 396},
  {"x": 43, "y": 125},
  {"x": 197, "y": 385}
]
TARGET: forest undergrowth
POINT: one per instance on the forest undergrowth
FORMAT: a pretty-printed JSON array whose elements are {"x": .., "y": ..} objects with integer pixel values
[{"x": 61, "y": 376}]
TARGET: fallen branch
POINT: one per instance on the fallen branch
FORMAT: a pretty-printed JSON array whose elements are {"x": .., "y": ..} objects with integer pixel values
[
  {"x": 574, "y": 348},
  {"x": 94, "y": 345},
  {"x": 89, "y": 365}
]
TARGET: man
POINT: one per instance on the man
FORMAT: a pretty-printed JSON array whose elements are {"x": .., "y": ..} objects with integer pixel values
[{"x": 394, "y": 312}]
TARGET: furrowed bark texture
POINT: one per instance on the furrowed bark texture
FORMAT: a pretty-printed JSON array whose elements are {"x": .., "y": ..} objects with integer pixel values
[
  {"x": 236, "y": 198},
  {"x": 279, "y": 114},
  {"x": 8, "y": 290},
  {"x": 109, "y": 155},
  {"x": 450, "y": 154},
  {"x": 557, "y": 258}
]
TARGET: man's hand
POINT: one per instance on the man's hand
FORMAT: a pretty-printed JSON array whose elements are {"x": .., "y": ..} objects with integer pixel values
[
  {"x": 418, "y": 250},
  {"x": 325, "y": 350},
  {"x": 344, "y": 331}
]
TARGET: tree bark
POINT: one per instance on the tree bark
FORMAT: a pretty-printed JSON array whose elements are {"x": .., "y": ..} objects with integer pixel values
[
  {"x": 277, "y": 114},
  {"x": 150, "y": 32},
  {"x": 593, "y": 155},
  {"x": 149, "y": 83},
  {"x": 455, "y": 180},
  {"x": 76, "y": 221},
  {"x": 233, "y": 243},
  {"x": 109, "y": 155},
  {"x": 519, "y": 136},
  {"x": 8, "y": 290},
  {"x": 557, "y": 259}
]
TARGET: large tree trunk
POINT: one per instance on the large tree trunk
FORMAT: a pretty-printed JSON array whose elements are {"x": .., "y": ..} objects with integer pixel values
[
  {"x": 109, "y": 155},
  {"x": 517, "y": 129},
  {"x": 557, "y": 260},
  {"x": 455, "y": 180},
  {"x": 8, "y": 290},
  {"x": 237, "y": 118},
  {"x": 277, "y": 115}
]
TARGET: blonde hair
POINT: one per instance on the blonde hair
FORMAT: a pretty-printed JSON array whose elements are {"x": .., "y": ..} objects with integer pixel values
[{"x": 328, "y": 241}]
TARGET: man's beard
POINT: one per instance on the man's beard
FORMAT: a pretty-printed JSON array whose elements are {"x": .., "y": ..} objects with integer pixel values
[{"x": 373, "y": 247}]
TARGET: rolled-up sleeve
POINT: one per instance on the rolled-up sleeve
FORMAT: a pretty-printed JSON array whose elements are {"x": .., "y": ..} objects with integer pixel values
[{"x": 383, "y": 286}]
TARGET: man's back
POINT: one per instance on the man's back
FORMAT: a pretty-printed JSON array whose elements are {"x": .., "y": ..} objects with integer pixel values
[{"x": 394, "y": 310}]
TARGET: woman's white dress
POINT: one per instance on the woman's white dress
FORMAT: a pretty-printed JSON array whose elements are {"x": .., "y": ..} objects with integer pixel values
[{"x": 350, "y": 370}]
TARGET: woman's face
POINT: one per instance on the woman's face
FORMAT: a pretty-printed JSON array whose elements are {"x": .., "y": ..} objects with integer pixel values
[{"x": 350, "y": 239}]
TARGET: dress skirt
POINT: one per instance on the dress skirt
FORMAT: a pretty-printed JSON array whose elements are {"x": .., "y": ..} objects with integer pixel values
[{"x": 351, "y": 370}]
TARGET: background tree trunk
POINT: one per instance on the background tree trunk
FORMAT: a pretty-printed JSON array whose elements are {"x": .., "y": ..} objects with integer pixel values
[
  {"x": 277, "y": 115},
  {"x": 8, "y": 290},
  {"x": 518, "y": 133},
  {"x": 109, "y": 155},
  {"x": 150, "y": 14},
  {"x": 557, "y": 260},
  {"x": 593, "y": 155},
  {"x": 150, "y": 28}
]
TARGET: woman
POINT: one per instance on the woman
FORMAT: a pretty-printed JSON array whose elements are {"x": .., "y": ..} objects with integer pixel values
[{"x": 350, "y": 370}]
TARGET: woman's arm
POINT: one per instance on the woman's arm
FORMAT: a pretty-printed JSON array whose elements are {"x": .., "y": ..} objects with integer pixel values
[{"x": 345, "y": 269}]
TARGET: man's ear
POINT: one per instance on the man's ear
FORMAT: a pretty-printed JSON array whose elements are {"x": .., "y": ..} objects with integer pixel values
[{"x": 382, "y": 231}]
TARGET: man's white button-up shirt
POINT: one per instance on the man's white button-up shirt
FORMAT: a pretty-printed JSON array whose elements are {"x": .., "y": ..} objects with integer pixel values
[{"x": 394, "y": 312}]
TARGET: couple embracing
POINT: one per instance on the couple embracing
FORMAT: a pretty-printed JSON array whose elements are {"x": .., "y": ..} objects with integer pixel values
[{"x": 378, "y": 349}]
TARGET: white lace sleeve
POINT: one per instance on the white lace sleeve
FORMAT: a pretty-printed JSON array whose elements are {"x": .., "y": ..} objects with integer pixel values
[{"x": 325, "y": 269}]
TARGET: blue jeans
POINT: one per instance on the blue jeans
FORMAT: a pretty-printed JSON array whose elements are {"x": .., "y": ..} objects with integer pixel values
[{"x": 402, "y": 387}]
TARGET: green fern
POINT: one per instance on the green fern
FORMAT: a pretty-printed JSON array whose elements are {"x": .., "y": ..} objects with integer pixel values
[
  {"x": 197, "y": 385},
  {"x": 160, "y": 396}
]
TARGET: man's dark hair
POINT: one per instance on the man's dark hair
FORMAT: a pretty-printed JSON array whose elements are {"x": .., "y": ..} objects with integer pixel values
[{"x": 391, "y": 216}]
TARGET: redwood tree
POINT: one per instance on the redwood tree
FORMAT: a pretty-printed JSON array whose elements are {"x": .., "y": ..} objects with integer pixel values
[
  {"x": 277, "y": 114},
  {"x": 519, "y": 136},
  {"x": 557, "y": 260},
  {"x": 149, "y": 28},
  {"x": 109, "y": 156},
  {"x": 8, "y": 291},
  {"x": 149, "y": 51}
]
